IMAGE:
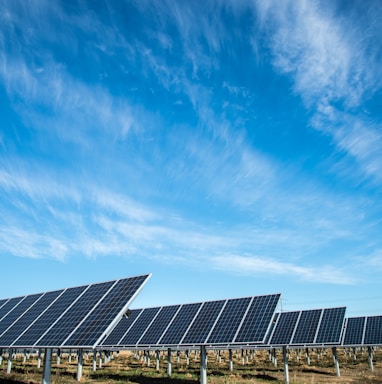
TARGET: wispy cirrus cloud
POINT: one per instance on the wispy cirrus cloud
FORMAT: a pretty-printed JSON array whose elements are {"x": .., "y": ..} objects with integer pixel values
[
  {"x": 254, "y": 265},
  {"x": 334, "y": 67}
]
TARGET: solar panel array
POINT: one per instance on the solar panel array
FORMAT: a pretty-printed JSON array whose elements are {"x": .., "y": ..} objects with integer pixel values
[
  {"x": 223, "y": 322},
  {"x": 366, "y": 330},
  {"x": 70, "y": 317},
  {"x": 309, "y": 327}
]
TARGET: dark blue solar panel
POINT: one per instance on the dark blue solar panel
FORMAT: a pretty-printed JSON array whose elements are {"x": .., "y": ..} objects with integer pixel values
[
  {"x": 229, "y": 321},
  {"x": 105, "y": 312},
  {"x": 71, "y": 319},
  {"x": 139, "y": 327},
  {"x": 258, "y": 319},
  {"x": 331, "y": 326},
  {"x": 285, "y": 327},
  {"x": 355, "y": 329},
  {"x": 2, "y": 302},
  {"x": 180, "y": 324},
  {"x": 8, "y": 306},
  {"x": 33, "y": 334},
  {"x": 373, "y": 332},
  {"x": 17, "y": 311},
  {"x": 203, "y": 323},
  {"x": 27, "y": 318},
  {"x": 159, "y": 325},
  {"x": 122, "y": 327},
  {"x": 307, "y": 327}
]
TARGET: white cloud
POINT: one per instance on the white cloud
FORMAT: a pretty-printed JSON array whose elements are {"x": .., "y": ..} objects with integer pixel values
[{"x": 263, "y": 266}]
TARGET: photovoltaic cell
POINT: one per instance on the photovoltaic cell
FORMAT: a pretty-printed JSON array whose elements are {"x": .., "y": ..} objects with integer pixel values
[
  {"x": 105, "y": 312},
  {"x": 307, "y": 327},
  {"x": 354, "y": 331},
  {"x": 17, "y": 311},
  {"x": 373, "y": 332},
  {"x": 8, "y": 306},
  {"x": 159, "y": 325},
  {"x": 180, "y": 324},
  {"x": 47, "y": 319},
  {"x": 203, "y": 322},
  {"x": 258, "y": 319},
  {"x": 284, "y": 328},
  {"x": 331, "y": 326},
  {"x": 122, "y": 328},
  {"x": 229, "y": 321},
  {"x": 8, "y": 337},
  {"x": 138, "y": 328},
  {"x": 80, "y": 316}
]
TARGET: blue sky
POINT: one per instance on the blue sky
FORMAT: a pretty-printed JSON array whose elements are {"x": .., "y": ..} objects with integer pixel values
[{"x": 230, "y": 148}]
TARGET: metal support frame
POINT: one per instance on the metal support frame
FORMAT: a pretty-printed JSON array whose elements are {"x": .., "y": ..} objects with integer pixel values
[
  {"x": 230, "y": 360},
  {"x": 47, "y": 366},
  {"x": 335, "y": 360},
  {"x": 286, "y": 368},
  {"x": 307, "y": 356},
  {"x": 79, "y": 365},
  {"x": 94, "y": 360},
  {"x": 169, "y": 364},
  {"x": 203, "y": 364},
  {"x": 157, "y": 361},
  {"x": 370, "y": 352},
  {"x": 9, "y": 364}
]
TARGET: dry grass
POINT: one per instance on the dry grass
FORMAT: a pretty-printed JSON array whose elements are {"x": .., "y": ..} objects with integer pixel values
[{"x": 128, "y": 368}]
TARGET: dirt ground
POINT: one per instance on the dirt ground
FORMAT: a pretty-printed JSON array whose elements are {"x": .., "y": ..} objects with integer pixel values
[{"x": 252, "y": 368}]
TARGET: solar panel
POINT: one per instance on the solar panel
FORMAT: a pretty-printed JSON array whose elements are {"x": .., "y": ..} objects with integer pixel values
[
  {"x": 180, "y": 324},
  {"x": 284, "y": 328},
  {"x": 27, "y": 318},
  {"x": 213, "y": 322},
  {"x": 75, "y": 317},
  {"x": 229, "y": 321},
  {"x": 122, "y": 327},
  {"x": 307, "y": 327},
  {"x": 354, "y": 331},
  {"x": 272, "y": 328},
  {"x": 331, "y": 326},
  {"x": 159, "y": 325},
  {"x": 373, "y": 331},
  {"x": 258, "y": 319},
  {"x": 139, "y": 327},
  {"x": 202, "y": 324}
]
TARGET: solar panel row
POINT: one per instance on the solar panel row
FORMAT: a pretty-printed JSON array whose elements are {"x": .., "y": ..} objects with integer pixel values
[
  {"x": 243, "y": 320},
  {"x": 366, "y": 330},
  {"x": 309, "y": 327},
  {"x": 71, "y": 317}
]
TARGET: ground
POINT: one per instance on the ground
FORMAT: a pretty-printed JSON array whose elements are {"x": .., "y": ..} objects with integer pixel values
[{"x": 256, "y": 368}]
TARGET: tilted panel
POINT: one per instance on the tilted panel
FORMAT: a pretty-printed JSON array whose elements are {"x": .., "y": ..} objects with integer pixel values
[
  {"x": 121, "y": 328},
  {"x": 354, "y": 331},
  {"x": 285, "y": 327},
  {"x": 229, "y": 321},
  {"x": 17, "y": 311},
  {"x": 258, "y": 319},
  {"x": 50, "y": 315},
  {"x": 27, "y": 319},
  {"x": 159, "y": 325},
  {"x": 373, "y": 332},
  {"x": 108, "y": 309},
  {"x": 2, "y": 302},
  {"x": 72, "y": 318},
  {"x": 140, "y": 326},
  {"x": 307, "y": 327},
  {"x": 8, "y": 306},
  {"x": 203, "y": 323},
  {"x": 180, "y": 324},
  {"x": 331, "y": 326}
]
